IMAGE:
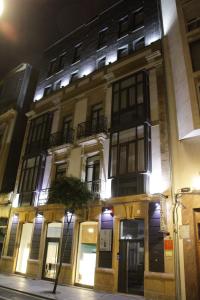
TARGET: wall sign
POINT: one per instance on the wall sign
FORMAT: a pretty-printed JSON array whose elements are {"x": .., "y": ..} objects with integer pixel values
[
  {"x": 169, "y": 247},
  {"x": 105, "y": 240}
]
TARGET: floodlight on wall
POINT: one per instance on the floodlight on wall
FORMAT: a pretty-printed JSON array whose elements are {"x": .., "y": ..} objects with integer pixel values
[{"x": 108, "y": 211}]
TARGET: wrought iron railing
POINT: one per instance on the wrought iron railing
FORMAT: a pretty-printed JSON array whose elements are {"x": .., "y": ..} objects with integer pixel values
[
  {"x": 61, "y": 138},
  {"x": 92, "y": 127},
  {"x": 95, "y": 187}
]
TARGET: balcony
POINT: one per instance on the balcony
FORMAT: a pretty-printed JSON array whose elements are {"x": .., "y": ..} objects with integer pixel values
[
  {"x": 61, "y": 138},
  {"x": 92, "y": 128},
  {"x": 35, "y": 198},
  {"x": 95, "y": 187}
]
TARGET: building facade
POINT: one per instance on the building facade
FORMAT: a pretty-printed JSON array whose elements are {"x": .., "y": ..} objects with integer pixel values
[
  {"x": 99, "y": 114},
  {"x": 16, "y": 92},
  {"x": 181, "y": 44}
]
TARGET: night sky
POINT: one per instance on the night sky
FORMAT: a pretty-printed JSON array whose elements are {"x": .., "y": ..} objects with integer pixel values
[{"x": 27, "y": 27}]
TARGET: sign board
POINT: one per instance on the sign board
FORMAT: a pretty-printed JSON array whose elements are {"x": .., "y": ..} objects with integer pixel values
[
  {"x": 106, "y": 240},
  {"x": 169, "y": 247},
  {"x": 163, "y": 215},
  {"x": 184, "y": 231}
]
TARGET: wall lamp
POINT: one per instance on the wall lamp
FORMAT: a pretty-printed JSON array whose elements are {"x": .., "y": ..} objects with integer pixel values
[{"x": 108, "y": 210}]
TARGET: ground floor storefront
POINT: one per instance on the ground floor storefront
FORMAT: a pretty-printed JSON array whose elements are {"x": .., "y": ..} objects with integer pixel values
[{"x": 115, "y": 247}]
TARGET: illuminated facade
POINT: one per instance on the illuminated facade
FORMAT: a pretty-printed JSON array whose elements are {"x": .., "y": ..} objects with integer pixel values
[
  {"x": 16, "y": 92},
  {"x": 181, "y": 42},
  {"x": 100, "y": 114}
]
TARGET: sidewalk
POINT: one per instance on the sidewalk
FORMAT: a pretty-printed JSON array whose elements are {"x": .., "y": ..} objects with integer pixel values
[{"x": 43, "y": 289}]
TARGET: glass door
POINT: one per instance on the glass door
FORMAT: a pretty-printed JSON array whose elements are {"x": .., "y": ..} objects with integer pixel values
[
  {"x": 131, "y": 257},
  {"x": 24, "y": 248},
  {"x": 52, "y": 248},
  {"x": 86, "y": 262}
]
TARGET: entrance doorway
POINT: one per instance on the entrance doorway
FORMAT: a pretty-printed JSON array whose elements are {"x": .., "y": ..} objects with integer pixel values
[
  {"x": 24, "y": 248},
  {"x": 52, "y": 250},
  {"x": 86, "y": 262},
  {"x": 197, "y": 223},
  {"x": 131, "y": 257}
]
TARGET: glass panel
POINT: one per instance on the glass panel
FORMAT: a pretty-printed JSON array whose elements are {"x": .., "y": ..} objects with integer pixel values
[
  {"x": 128, "y": 82},
  {"x": 123, "y": 154},
  {"x": 113, "y": 161},
  {"x": 131, "y": 158},
  {"x": 141, "y": 155},
  {"x": 54, "y": 230},
  {"x": 51, "y": 259},
  {"x": 24, "y": 248},
  {"x": 140, "y": 93},
  {"x": 116, "y": 103},
  {"x": 116, "y": 87},
  {"x": 140, "y": 132},
  {"x": 124, "y": 99},
  {"x": 114, "y": 138},
  {"x": 132, "y": 96},
  {"x": 127, "y": 135}
]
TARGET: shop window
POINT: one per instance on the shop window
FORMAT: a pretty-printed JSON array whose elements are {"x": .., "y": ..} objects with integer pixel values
[
  {"x": 123, "y": 26},
  {"x": 195, "y": 50},
  {"x": 3, "y": 230},
  {"x": 52, "y": 67},
  {"x": 102, "y": 38},
  {"x": 12, "y": 237},
  {"x": 77, "y": 53}
]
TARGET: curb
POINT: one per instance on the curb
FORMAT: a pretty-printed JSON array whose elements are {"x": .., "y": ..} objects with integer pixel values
[{"x": 26, "y": 293}]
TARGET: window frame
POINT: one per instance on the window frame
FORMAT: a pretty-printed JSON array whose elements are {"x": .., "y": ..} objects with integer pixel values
[
  {"x": 77, "y": 54},
  {"x": 123, "y": 31},
  {"x": 102, "y": 38}
]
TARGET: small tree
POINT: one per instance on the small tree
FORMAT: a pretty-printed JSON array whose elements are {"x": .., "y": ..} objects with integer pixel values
[{"x": 74, "y": 194}]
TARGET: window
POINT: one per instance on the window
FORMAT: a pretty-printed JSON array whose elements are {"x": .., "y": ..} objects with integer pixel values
[
  {"x": 67, "y": 132},
  {"x": 137, "y": 19},
  {"x": 74, "y": 76},
  {"x": 193, "y": 24},
  {"x": 52, "y": 67},
  {"x": 123, "y": 27},
  {"x": 61, "y": 170},
  {"x": 130, "y": 104},
  {"x": 121, "y": 52},
  {"x": 77, "y": 53},
  {"x": 47, "y": 90},
  {"x": 101, "y": 62},
  {"x": 102, "y": 38},
  {"x": 39, "y": 133},
  {"x": 96, "y": 117},
  {"x": 3, "y": 229},
  {"x": 93, "y": 173},
  {"x": 195, "y": 50},
  {"x": 128, "y": 151},
  {"x": 139, "y": 44},
  {"x": 61, "y": 62},
  {"x": 57, "y": 85}
]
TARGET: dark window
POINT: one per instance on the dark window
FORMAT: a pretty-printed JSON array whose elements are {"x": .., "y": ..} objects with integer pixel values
[
  {"x": 193, "y": 24},
  {"x": 101, "y": 62},
  {"x": 57, "y": 85},
  {"x": 105, "y": 257},
  {"x": 61, "y": 62},
  {"x": 139, "y": 44},
  {"x": 129, "y": 151},
  {"x": 67, "y": 238},
  {"x": 61, "y": 170},
  {"x": 47, "y": 90},
  {"x": 102, "y": 38},
  {"x": 121, "y": 52},
  {"x": 195, "y": 50},
  {"x": 52, "y": 67},
  {"x": 130, "y": 105},
  {"x": 74, "y": 76},
  {"x": 39, "y": 133},
  {"x": 77, "y": 53},
  {"x": 137, "y": 19},
  {"x": 123, "y": 26}
]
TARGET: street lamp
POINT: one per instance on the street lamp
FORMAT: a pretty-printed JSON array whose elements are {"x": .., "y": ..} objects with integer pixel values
[{"x": 1, "y": 7}]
